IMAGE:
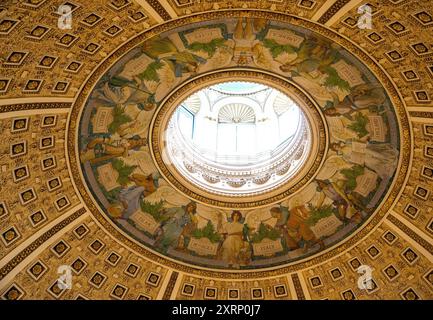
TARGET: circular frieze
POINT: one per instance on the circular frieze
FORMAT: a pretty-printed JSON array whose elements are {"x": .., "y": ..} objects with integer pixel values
[{"x": 348, "y": 182}]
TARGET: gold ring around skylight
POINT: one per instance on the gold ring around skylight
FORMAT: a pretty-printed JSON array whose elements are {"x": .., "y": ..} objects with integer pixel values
[{"x": 316, "y": 152}]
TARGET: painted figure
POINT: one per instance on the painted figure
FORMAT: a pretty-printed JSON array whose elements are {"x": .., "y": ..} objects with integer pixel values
[
  {"x": 179, "y": 61},
  {"x": 363, "y": 96},
  {"x": 102, "y": 149},
  {"x": 381, "y": 157},
  {"x": 234, "y": 249},
  {"x": 191, "y": 225},
  {"x": 118, "y": 91},
  {"x": 346, "y": 210},
  {"x": 171, "y": 230},
  {"x": 131, "y": 197},
  {"x": 297, "y": 230},
  {"x": 282, "y": 215}
]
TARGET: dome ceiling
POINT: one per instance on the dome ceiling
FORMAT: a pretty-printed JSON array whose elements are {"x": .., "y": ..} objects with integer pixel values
[
  {"x": 87, "y": 183},
  {"x": 357, "y": 169},
  {"x": 237, "y": 145}
]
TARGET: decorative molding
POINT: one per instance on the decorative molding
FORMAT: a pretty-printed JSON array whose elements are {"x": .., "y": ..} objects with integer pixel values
[
  {"x": 298, "y": 287},
  {"x": 170, "y": 286},
  {"x": 159, "y": 9},
  {"x": 337, "y": 6},
  {"x": 308, "y": 171},
  {"x": 411, "y": 233},
  {"x": 34, "y": 106},
  {"x": 421, "y": 114}
]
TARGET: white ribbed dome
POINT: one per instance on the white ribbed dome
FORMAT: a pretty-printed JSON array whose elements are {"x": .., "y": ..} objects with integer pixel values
[{"x": 231, "y": 143}]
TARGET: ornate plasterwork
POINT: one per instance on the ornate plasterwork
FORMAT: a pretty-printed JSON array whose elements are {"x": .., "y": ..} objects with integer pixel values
[
  {"x": 405, "y": 138},
  {"x": 332, "y": 10},
  {"x": 4, "y": 271},
  {"x": 416, "y": 277},
  {"x": 33, "y": 106},
  {"x": 34, "y": 170},
  {"x": 61, "y": 58},
  {"x": 398, "y": 42}
]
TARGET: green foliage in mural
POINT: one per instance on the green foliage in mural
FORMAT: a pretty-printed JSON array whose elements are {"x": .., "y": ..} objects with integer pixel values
[
  {"x": 210, "y": 47},
  {"x": 158, "y": 46},
  {"x": 317, "y": 213},
  {"x": 116, "y": 81},
  {"x": 276, "y": 48},
  {"x": 351, "y": 175},
  {"x": 112, "y": 195},
  {"x": 155, "y": 210},
  {"x": 207, "y": 232},
  {"x": 334, "y": 80},
  {"x": 120, "y": 118},
  {"x": 123, "y": 170},
  {"x": 265, "y": 232},
  {"x": 151, "y": 74},
  {"x": 359, "y": 125}
]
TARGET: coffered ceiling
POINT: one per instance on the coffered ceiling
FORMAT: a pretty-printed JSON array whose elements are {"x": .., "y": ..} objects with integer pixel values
[{"x": 49, "y": 216}]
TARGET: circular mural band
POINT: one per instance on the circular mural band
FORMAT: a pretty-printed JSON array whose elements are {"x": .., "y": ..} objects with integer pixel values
[{"x": 355, "y": 145}]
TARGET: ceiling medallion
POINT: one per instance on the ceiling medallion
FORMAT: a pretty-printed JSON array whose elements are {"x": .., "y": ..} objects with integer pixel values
[
  {"x": 351, "y": 167},
  {"x": 226, "y": 173},
  {"x": 245, "y": 140}
]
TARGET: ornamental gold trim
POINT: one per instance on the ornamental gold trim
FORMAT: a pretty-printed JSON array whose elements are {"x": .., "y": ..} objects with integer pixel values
[{"x": 314, "y": 162}]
